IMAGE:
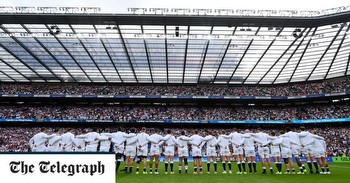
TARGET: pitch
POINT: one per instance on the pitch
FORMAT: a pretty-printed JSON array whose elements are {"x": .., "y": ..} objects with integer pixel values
[{"x": 339, "y": 173}]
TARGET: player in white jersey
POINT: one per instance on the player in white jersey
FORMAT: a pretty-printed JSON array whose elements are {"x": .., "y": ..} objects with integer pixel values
[
  {"x": 155, "y": 151},
  {"x": 296, "y": 146},
  {"x": 319, "y": 146},
  {"x": 210, "y": 142},
  {"x": 142, "y": 149},
  {"x": 37, "y": 142},
  {"x": 249, "y": 148},
  {"x": 307, "y": 151},
  {"x": 196, "y": 141},
  {"x": 224, "y": 142},
  {"x": 105, "y": 141},
  {"x": 236, "y": 140},
  {"x": 80, "y": 142},
  {"x": 118, "y": 140},
  {"x": 286, "y": 151},
  {"x": 263, "y": 149},
  {"x": 68, "y": 141},
  {"x": 275, "y": 151},
  {"x": 169, "y": 151},
  {"x": 55, "y": 142},
  {"x": 130, "y": 149},
  {"x": 183, "y": 151},
  {"x": 92, "y": 139}
]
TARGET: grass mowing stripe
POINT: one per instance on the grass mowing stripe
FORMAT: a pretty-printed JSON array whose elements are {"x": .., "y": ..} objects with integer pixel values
[{"x": 339, "y": 173}]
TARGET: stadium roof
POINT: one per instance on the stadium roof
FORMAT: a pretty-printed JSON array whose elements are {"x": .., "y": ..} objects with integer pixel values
[{"x": 168, "y": 48}]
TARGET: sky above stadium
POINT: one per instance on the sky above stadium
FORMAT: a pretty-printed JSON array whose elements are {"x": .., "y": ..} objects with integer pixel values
[{"x": 120, "y": 6}]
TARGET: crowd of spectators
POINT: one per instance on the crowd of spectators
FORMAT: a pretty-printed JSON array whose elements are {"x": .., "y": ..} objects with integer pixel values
[
  {"x": 17, "y": 138},
  {"x": 293, "y": 89},
  {"x": 145, "y": 113}
]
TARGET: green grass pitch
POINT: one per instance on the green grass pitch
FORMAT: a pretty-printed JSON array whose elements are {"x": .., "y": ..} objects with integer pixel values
[{"x": 340, "y": 173}]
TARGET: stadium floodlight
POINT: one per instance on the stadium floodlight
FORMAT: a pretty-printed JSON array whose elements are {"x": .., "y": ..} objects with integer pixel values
[
  {"x": 137, "y": 10},
  {"x": 202, "y": 11},
  {"x": 181, "y": 11},
  {"x": 297, "y": 33},
  {"x": 224, "y": 11},
  {"x": 54, "y": 30},
  {"x": 69, "y": 9},
  {"x": 24, "y": 9},
  {"x": 159, "y": 10},
  {"x": 90, "y": 10},
  {"x": 47, "y": 9},
  {"x": 6, "y": 9}
]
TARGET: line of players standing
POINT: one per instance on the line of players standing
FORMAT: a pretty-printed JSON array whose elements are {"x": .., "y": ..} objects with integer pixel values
[{"x": 128, "y": 145}]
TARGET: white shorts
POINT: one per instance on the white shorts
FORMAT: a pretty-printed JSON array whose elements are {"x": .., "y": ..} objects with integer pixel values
[
  {"x": 119, "y": 149},
  {"x": 224, "y": 152},
  {"x": 169, "y": 151},
  {"x": 155, "y": 150},
  {"x": 264, "y": 152},
  {"x": 319, "y": 154},
  {"x": 307, "y": 151},
  {"x": 143, "y": 151},
  {"x": 296, "y": 151},
  {"x": 237, "y": 150},
  {"x": 183, "y": 152},
  {"x": 211, "y": 152},
  {"x": 196, "y": 152},
  {"x": 130, "y": 151},
  {"x": 275, "y": 151},
  {"x": 249, "y": 152},
  {"x": 104, "y": 149},
  {"x": 286, "y": 153}
]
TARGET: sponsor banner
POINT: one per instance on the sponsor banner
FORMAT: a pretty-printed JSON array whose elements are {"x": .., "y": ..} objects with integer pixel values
[
  {"x": 315, "y": 95},
  {"x": 184, "y": 96},
  {"x": 279, "y": 97},
  {"x": 16, "y": 120},
  {"x": 57, "y": 95},
  {"x": 247, "y": 97},
  {"x": 57, "y": 167},
  {"x": 248, "y": 121},
  {"x": 153, "y": 96},
  {"x": 216, "y": 97},
  {"x": 89, "y": 96},
  {"x": 25, "y": 95},
  {"x": 341, "y": 159},
  {"x": 121, "y": 96},
  {"x": 328, "y": 120}
]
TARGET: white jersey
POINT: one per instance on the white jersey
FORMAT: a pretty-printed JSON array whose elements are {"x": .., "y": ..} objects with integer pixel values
[
  {"x": 248, "y": 141},
  {"x": 142, "y": 144},
  {"x": 224, "y": 142},
  {"x": 211, "y": 143},
  {"x": 286, "y": 150},
  {"x": 236, "y": 139},
  {"x": 196, "y": 141},
  {"x": 182, "y": 142},
  {"x": 294, "y": 139},
  {"x": 118, "y": 139},
  {"x": 155, "y": 147},
  {"x": 131, "y": 142},
  {"x": 275, "y": 146},
  {"x": 92, "y": 139},
  {"x": 105, "y": 143},
  {"x": 55, "y": 144},
  {"x": 305, "y": 138},
  {"x": 79, "y": 141},
  {"x": 170, "y": 142},
  {"x": 68, "y": 141},
  {"x": 37, "y": 142}
]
